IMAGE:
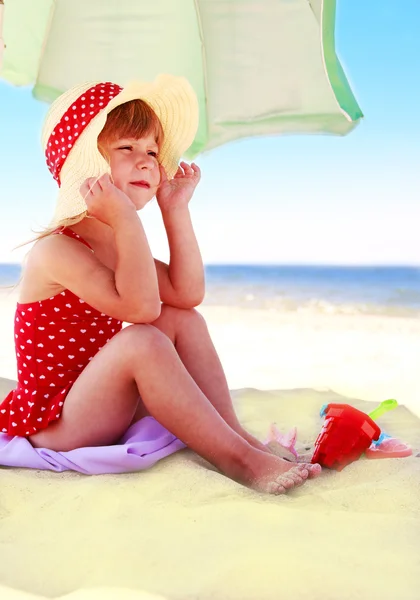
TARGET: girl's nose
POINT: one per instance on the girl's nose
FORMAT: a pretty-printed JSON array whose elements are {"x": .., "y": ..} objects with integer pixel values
[{"x": 145, "y": 161}]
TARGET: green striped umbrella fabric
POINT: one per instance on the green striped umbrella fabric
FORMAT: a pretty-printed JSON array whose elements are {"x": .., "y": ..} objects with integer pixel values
[{"x": 259, "y": 67}]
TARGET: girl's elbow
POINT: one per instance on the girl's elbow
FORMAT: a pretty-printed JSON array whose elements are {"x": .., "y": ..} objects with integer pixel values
[
  {"x": 147, "y": 314},
  {"x": 196, "y": 301},
  {"x": 192, "y": 301},
  {"x": 198, "y": 297},
  {"x": 151, "y": 313}
]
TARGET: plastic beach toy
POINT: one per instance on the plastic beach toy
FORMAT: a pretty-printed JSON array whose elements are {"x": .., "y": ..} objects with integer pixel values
[
  {"x": 384, "y": 407},
  {"x": 388, "y": 447},
  {"x": 282, "y": 444},
  {"x": 347, "y": 433}
]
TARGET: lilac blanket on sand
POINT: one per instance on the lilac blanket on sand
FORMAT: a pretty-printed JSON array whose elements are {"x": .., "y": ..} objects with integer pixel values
[{"x": 143, "y": 444}]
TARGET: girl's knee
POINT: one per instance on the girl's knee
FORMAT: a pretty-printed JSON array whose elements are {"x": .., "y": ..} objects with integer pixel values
[
  {"x": 194, "y": 318},
  {"x": 182, "y": 315},
  {"x": 143, "y": 338}
]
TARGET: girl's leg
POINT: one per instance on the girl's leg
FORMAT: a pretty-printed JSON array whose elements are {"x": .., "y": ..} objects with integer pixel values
[
  {"x": 188, "y": 332},
  {"x": 142, "y": 360}
]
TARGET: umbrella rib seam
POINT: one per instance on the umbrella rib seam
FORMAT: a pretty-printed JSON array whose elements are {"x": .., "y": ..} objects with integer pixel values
[
  {"x": 47, "y": 31},
  {"x": 204, "y": 62}
]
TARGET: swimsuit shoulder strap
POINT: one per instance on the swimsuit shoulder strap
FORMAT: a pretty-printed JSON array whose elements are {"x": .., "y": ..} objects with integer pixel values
[{"x": 70, "y": 233}]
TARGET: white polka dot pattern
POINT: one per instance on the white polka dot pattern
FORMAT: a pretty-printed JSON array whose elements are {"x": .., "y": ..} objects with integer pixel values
[
  {"x": 55, "y": 339},
  {"x": 74, "y": 121}
]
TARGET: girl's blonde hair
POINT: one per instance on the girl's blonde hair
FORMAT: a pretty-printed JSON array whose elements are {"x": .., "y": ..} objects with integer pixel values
[{"x": 133, "y": 119}]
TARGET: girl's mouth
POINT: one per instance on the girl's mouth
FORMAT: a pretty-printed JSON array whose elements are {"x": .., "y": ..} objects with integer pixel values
[{"x": 143, "y": 184}]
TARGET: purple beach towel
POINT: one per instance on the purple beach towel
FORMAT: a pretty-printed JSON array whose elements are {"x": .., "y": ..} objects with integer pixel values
[{"x": 143, "y": 444}]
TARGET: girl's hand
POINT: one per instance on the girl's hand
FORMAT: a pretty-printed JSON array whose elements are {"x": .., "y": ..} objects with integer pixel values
[
  {"x": 104, "y": 200},
  {"x": 177, "y": 192}
]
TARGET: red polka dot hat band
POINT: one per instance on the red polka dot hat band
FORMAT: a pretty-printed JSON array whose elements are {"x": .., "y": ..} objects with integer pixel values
[{"x": 74, "y": 121}]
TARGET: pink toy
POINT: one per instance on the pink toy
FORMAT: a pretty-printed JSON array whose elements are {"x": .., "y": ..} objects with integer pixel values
[
  {"x": 282, "y": 444},
  {"x": 388, "y": 447}
]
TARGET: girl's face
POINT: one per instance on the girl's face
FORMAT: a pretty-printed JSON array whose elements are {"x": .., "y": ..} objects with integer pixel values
[{"x": 135, "y": 168}]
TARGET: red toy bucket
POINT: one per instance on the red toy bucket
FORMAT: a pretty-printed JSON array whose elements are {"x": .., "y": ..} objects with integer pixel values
[{"x": 346, "y": 434}]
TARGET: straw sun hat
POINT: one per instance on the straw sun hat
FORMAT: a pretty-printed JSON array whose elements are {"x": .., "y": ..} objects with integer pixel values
[{"x": 76, "y": 118}]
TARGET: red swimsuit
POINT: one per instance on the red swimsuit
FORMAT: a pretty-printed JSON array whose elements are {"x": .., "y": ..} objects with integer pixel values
[{"x": 54, "y": 340}]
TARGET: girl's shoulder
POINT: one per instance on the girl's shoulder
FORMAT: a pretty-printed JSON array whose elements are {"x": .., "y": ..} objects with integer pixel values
[{"x": 35, "y": 284}]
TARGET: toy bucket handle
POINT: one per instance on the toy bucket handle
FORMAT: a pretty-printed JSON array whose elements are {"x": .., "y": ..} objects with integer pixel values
[{"x": 384, "y": 407}]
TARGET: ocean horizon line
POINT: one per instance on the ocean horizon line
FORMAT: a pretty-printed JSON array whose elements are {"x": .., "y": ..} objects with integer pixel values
[{"x": 291, "y": 265}]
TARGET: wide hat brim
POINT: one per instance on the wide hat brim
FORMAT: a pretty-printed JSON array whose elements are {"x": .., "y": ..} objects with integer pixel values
[{"x": 171, "y": 98}]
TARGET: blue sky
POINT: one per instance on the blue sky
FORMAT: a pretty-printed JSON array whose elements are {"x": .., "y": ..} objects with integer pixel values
[{"x": 310, "y": 199}]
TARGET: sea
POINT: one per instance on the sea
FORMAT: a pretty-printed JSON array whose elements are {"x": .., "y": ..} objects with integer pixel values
[{"x": 380, "y": 290}]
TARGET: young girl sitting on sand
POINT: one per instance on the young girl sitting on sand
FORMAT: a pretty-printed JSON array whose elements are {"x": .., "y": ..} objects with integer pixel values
[{"x": 82, "y": 378}]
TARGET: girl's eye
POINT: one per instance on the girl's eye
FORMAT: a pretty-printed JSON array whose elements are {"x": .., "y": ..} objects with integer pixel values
[
  {"x": 125, "y": 148},
  {"x": 153, "y": 154}
]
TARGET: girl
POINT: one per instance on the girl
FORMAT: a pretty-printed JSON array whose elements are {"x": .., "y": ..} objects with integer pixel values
[{"x": 82, "y": 378}]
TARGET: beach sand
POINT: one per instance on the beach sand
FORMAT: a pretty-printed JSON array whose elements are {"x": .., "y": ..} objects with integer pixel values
[{"x": 182, "y": 531}]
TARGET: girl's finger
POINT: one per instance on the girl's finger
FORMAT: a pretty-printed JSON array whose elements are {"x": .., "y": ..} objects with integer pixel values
[
  {"x": 94, "y": 185},
  {"x": 89, "y": 184},
  {"x": 196, "y": 169},
  {"x": 84, "y": 190},
  {"x": 188, "y": 170},
  {"x": 102, "y": 181}
]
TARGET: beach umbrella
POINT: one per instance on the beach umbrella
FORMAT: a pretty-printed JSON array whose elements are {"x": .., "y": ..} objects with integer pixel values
[{"x": 258, "y": 66}]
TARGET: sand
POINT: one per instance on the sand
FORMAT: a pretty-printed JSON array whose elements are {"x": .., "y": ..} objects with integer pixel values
[{"x": 182, "y": 531}]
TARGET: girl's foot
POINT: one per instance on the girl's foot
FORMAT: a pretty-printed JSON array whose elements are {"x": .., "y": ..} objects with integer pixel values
[
  {"x": 281, "y": 476},
  {"x": 265, "y": 472}
]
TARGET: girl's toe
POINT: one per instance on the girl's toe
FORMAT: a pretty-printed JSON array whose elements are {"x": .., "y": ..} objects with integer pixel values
[
  {"x": 314, "y": 470},
  {"x": 297, "y": 476}
]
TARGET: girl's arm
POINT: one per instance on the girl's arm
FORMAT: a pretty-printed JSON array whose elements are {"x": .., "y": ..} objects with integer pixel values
[
  {"x": 131, "y": 292},
  {"x": 181, "y": 283},
  {"x": 135, "y": 272}
]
